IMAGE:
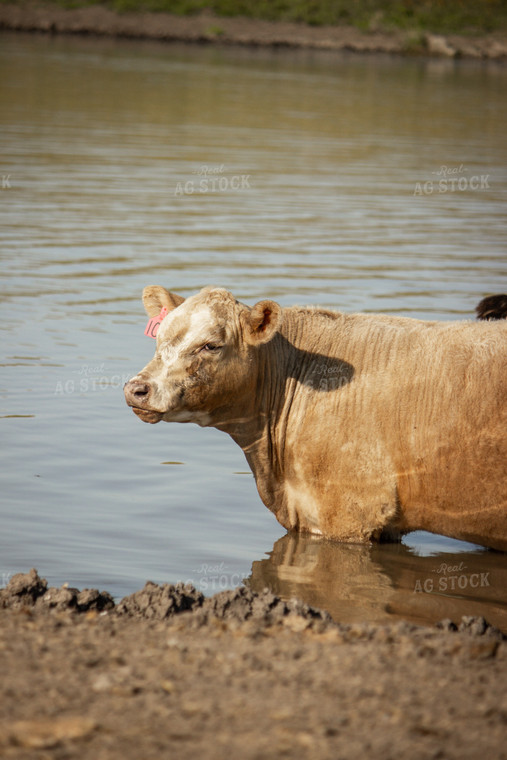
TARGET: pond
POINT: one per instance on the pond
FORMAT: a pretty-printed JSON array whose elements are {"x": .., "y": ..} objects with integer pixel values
[{"x": 356, "y": 183}]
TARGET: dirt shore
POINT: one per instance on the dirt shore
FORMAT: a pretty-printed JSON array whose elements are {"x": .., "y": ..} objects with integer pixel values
[
  {"x": 168, "y": 673},
  {"x": 32, "y": 16}
]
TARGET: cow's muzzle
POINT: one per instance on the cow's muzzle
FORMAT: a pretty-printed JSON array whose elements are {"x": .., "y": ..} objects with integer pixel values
[{"x": 137, "y": 395}]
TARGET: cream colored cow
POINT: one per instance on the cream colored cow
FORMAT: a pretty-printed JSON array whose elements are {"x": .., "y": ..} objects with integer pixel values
[{"x": 356, "y": 426}]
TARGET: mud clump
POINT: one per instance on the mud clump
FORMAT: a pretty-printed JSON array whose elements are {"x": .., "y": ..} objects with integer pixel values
[
  {"x": 66, "y": 598},
  {"x": 23, "y": 590},
  {"x": 28, "y": 590},
  {"x": 242, "y": 605},
  {"x": 473, "y": 625},
  {"x": 239, "y": 607},
  {"x": 235, "y": 607},
  {"x": 160, "y": 602}
]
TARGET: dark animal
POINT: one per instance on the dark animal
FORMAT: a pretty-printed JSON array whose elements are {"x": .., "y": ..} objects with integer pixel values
[{"x": 492, "y": 307}]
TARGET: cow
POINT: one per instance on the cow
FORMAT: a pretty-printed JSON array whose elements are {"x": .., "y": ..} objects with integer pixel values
[
  {"x": 492, "y": 307},
  {"x": 357, "y": 427}
]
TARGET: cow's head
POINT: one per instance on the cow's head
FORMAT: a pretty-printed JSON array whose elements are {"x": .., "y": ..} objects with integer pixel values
[{"x": 205, "y": 355}]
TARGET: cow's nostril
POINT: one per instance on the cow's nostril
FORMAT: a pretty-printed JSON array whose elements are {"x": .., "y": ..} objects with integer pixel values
[
  {"x": 137, "y": 390},
  {"x": 140, "y": 390}
]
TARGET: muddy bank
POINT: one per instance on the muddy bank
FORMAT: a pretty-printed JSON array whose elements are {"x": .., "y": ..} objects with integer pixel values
[
  {"x": 167, "y": 672},
  {"x": 98, "y": 20}
]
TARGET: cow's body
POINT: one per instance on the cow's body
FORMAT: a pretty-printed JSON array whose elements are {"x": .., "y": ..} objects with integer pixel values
[{"x": 355, "y": 426}]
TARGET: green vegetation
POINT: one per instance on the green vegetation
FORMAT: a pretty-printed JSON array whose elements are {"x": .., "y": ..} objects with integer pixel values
[{"x": 441, "y": 16}]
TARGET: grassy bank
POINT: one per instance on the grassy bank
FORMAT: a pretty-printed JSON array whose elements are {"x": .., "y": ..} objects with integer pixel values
[{"x": 439, "y": 16}]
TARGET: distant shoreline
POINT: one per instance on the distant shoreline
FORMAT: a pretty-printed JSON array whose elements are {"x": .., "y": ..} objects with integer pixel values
[{"x": 206, "y": 28}]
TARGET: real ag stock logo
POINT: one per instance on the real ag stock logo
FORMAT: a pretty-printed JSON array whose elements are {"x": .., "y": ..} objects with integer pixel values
[
  {"x": 213, "y": 179},
  {"x": 451, "y": 578},
  {"x": 452, "y": 179}
]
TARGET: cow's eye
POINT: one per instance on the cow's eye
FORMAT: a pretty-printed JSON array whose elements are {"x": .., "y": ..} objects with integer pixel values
[{"x": 210, "y": 347}]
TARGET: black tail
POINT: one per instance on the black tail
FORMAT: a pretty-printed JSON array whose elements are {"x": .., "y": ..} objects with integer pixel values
[{"x": 492, "y": 307}]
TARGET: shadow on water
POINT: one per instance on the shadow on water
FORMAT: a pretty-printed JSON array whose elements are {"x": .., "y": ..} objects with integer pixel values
[{"x": 384, "y": 582}]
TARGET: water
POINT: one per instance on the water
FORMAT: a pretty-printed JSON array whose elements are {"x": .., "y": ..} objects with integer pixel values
[{"x": 299, "y": 176}]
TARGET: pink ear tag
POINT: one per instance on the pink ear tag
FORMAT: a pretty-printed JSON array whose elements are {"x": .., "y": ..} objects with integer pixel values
[{"x": 154, "y": 323}]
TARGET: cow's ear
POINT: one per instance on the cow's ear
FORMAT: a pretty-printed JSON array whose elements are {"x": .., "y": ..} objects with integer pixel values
[
  {"x": 155, "y": 297},
  {"x": 262, "y": 322}
]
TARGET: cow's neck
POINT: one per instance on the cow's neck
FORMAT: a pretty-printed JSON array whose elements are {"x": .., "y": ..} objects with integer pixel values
[
  {"x": 281, "y": 364},
  {"x": 287, "y": 367},
  {"x": 255, "y": 417}
]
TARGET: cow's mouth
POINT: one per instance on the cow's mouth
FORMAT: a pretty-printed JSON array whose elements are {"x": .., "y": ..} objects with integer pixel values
[{"x": 147, "y": 415}]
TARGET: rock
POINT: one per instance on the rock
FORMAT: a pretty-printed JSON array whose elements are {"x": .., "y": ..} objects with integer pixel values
[
  {"x": 103, "y": 682},
  {"x": 44, "y": 734},
  {"x": 438, "y": 45},
  {"x": 497, "y": 50}
]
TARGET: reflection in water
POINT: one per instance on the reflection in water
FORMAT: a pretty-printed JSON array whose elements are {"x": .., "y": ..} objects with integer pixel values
[{"x": 381, "y": 582}]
